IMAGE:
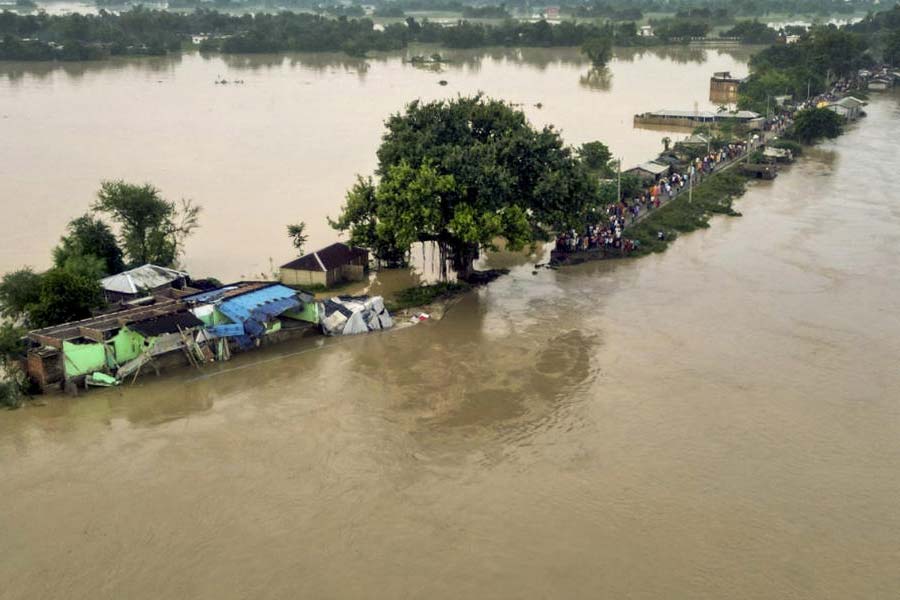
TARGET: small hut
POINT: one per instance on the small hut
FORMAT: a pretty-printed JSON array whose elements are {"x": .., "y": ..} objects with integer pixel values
[{"x": 328, "y": 266}]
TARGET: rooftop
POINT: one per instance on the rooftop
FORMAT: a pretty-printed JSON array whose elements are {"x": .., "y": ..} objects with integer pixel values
[
  {"x": 326, "y": 259},
  {"x": 146, "y": 277}
]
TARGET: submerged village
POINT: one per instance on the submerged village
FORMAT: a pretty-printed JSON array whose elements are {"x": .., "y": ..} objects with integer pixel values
[{"x": 156, "y": 317}]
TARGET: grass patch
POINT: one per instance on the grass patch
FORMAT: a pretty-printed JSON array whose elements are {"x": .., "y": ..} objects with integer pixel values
[
  {"x": 425, "y": 294},
  {"x": 712, "y": 197}
]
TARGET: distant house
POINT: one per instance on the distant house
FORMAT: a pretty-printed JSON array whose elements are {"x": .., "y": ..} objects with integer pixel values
[
  {"x": 646, "y": 31},
  {"x": 850, "y": 108},
  {"x": 649, "y": 171},
  {"x": 328, "y": 266},
  {"x": 551, "y": 13},
  {"x": 723, "y": 88},
  {"x": 146, "y": 280}
]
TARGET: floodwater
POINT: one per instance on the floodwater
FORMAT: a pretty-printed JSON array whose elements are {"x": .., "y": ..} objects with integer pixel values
[
  {"x": 287, "y": 143},
  {"x": 718, "y": 421}
]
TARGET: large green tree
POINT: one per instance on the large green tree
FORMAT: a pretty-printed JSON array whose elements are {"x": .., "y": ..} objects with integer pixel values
[
  {"x": 814, "y": 124},
  {"x": 152, "y": 229},
  {"x": 464, "y": 173},
  {"x": 90, "y": 236}
]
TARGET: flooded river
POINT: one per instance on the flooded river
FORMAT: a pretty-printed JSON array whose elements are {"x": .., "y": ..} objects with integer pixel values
[
  {"x": 287, "y": 143},
  {"x": 719, "y": 421}
]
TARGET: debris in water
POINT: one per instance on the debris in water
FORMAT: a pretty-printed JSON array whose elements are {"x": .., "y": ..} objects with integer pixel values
[{"x": 443, "y": 82}]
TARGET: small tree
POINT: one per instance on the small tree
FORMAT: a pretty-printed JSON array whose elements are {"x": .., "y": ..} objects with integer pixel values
[
  {"x": 598, "y": 50},
  {"x": 153, "y": 229},
  {"x": 298, "y": 236},
  {"x": 18, "y": 291},
  {"x": 89, "y": 236},
  {"x": 596, "y": 157}
]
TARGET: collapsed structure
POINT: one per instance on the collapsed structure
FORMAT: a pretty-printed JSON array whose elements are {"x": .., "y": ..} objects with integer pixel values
[{"x": 194, "y": 329}]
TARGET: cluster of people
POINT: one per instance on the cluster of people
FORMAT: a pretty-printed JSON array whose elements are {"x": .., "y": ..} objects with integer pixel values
[{"x": 609, "y": 235}]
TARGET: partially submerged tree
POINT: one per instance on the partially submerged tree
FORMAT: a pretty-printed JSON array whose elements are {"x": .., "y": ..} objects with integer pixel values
[
  {"x": 813, "y": 124},
  {"x": 462, "y": 174},
  {"x": 598, "y": 50},
  {"x": 297, "y": 233},
  {"x": 90, "y": 236},
  {"x": 152, "y": 229}
]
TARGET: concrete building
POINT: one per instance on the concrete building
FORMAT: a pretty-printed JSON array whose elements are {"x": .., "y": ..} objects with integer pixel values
[
  {"x": 723, "y": 88},
  {"x": 328, "y": 266}
]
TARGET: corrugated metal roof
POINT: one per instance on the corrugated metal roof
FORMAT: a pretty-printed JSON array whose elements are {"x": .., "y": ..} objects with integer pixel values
[
  {"x": 652, "y": 167},
  {"x": 146, "y": 277},
  {"x": 679, "y": 114}
]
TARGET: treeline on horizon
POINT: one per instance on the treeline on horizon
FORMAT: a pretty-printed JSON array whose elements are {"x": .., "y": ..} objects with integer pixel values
[
  {"x": 140, "y": 31},
  {"x": 154, "y": 32}
]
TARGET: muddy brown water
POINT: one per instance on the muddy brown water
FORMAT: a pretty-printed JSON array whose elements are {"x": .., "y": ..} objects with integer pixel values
[
  {"x": 287, "y": 143},
  {"x": 718, "y": 421}
]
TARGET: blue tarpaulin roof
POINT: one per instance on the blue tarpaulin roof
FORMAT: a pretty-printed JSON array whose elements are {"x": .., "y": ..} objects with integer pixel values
[{"x": 255, "y": 309}]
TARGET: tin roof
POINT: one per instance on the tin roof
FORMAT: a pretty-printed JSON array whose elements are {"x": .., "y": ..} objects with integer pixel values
[
  {"x": 326, "y": 259},
  {"x": 146, "y": 277}
]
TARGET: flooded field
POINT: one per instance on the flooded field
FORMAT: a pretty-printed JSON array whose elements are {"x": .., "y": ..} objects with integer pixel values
[
  {"x": 288, "y": 143},
  {"x": 719, "y": 421}
]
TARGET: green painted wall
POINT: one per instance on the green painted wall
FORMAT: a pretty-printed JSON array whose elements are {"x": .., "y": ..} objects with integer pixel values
[
  {"x": 128, "y": 345},
  {"x": 81, "y": 359},
  {"x": 309, "y": 312}
]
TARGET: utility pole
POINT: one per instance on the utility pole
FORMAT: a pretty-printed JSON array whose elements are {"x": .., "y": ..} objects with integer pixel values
[{"x": 619, "y": 182}]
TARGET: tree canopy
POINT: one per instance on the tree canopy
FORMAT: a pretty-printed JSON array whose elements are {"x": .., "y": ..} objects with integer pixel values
[
  {"x": 463, "y": 173},
  {"x": 89, "y": 236},
  {"x": 152, "y": 229},
  {"x": 813, "y": 124}
]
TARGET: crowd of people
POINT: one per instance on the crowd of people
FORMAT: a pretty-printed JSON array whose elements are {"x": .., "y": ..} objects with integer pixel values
[{"x": 608, "y": 234}]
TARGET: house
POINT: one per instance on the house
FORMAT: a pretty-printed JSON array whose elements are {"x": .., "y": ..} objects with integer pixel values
[
  {"x": 646, "y": 31},
  {"x": 142, "y": 281},
  {"x": 70, "y": 351},
  {"x": 328, "y": 266},
  {"x": 850, "y": 108},
  {"x": 649, "y": 171},
  {"x": 247, "y": 311},
  {"x": 723, "y": 88},
  {"x": 694, "y": 140}
]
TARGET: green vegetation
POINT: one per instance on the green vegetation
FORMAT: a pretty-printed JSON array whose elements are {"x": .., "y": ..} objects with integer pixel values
[
  {"x": 153, "y": 230},
  {"x": 714, "y": 196},
  {"x": 90, "y": 236},
  {"x": 598, "y": 50},
  {"x": 425, "y": 294},
  {"x": 822, "y": 56},
  {"x": 462, "y": 174},
  {"x": 297, "y": 233},
  {"x": 596, "y": 157},
  {"x": 752, "y": 32},
  {"x": 814, "y": 124},
  {"x": 140, "y": 31}
]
